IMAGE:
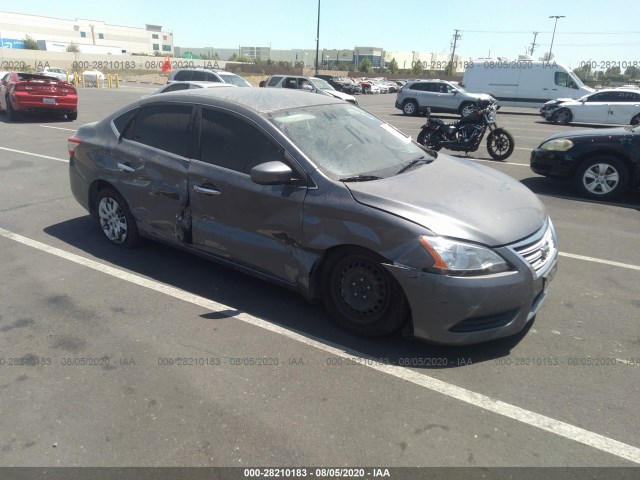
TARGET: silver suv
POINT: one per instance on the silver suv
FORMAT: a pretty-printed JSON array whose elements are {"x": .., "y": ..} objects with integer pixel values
[
  {"x": 207, "y": 75},
  {"x": 440, "y": 96}
]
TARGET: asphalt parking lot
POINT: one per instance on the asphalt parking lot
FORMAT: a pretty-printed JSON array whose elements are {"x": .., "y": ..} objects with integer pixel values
[{"x": 153, "y": 357}]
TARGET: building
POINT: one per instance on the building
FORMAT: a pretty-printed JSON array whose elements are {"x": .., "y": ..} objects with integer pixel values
[{"x": 91, "y": 36}]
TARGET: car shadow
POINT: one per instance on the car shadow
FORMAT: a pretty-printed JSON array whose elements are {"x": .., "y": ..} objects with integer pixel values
[
  {"x": 242, "y": 293},
  {"x": 554, "y": 187}
]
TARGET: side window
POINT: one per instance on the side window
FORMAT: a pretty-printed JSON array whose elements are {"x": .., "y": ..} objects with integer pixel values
[
  {"x": 123, "y": 120},
  {"x": 418, "y": 86},
  {"x": 598, "y": 97},
  {"x": 199, "y": 76},
  {"x": 212, "y": 78},
  {"x": 230, "y": 142},
  {"x": 274, "y": 81},
  {"x": 164, "y": 127},
  {"x": 182, "y": 75},
  {"x": 290, "y": 83},
  {"x": 563, "y": 79}
]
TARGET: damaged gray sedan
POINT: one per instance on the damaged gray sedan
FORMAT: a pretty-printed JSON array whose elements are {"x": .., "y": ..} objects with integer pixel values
[{"x": 318, "y": 195}]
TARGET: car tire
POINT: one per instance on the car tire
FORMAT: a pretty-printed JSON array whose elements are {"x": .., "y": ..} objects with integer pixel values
[
  {"x": 72, "y": 116},
  {"x": 602, "y": 177},
  {"x": 500, "y": 144},
  {"x": 562, "y": 116},
  {"x": 361, "y": 296},
  {"x": 410, "y": 108},
  {"x": 636, "y": 120},
  {"x": 115, "y": 219},
  {"x": 467, "y": 108}
]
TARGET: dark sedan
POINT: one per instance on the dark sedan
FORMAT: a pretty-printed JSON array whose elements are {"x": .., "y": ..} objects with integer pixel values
[
  {"x": 602, "y": 163},
  {"x": 317, "y": 195}
]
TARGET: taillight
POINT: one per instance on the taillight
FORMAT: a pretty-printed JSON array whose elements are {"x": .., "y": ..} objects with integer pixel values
[
  {"x": 22, "y": 88},
  {"x": 72, "y": 144}
]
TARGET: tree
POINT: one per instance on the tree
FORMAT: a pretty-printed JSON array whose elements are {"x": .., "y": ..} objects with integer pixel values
[
  {"x": 393, "y": 66},
  {"x": 417, "y": 68},
  {"x": 584, "y": 72},
  {"x": 73, "y": 48},
  {"x": 30, "y": 43},
  {"x": 547, "y": 58},
  {"x": 632, "y": 73},
  {"x": 366, "y": 66},
  {"x": 613, "y": 74},
  {"x": 233, "y": 57}
]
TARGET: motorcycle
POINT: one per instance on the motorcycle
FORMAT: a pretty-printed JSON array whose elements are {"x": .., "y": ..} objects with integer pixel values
[{"x": 466, "y": 134}]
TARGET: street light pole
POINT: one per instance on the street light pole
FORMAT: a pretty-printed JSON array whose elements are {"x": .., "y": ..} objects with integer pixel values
[
  {"x": 552, "y": 36},
  {"x": 318, "y": 38}
]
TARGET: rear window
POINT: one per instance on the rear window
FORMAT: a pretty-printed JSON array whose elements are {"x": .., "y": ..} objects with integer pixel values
[{"x": 123, "y": 120}]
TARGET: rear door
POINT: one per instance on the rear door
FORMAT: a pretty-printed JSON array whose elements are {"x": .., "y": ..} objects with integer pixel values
[
  {"x": 623, "y": 106},
  {"x": 150, "y": 165},
  {"x": 257, "y": 226}
]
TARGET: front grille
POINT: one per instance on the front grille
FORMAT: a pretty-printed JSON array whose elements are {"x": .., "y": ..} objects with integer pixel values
[{"x": 539, "y": 249}]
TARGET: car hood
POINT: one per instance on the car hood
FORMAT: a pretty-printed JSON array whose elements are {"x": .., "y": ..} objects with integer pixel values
[
  {"x": 457, "y": 198},
  {"x": 558, "y": 101},
  {"x": 596, "y": 132}
]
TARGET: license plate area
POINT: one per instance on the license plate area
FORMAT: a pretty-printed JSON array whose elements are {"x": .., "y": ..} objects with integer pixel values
[{"x": 49, "y": 101}]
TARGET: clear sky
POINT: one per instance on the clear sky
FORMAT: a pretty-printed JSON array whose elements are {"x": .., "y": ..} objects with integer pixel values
[{"x": 595, "y": 30}]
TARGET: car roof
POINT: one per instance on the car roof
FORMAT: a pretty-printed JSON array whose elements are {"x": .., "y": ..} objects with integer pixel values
[{"x": 262, "y": 100}]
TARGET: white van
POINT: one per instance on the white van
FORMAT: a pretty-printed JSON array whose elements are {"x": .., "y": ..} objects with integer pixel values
[{"x": 523, "y": 83}]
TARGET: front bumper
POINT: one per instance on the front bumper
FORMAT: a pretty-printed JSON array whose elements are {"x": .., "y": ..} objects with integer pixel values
[
  {"x": 552, "y": 163},
  {"x": 466, "y": 310}
]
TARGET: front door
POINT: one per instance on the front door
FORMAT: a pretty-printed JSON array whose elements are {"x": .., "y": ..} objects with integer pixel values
[{"x": 257, "y": 226}]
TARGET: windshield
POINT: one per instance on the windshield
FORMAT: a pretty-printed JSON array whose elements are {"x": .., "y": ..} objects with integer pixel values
[
  {"x": 345, "y": 141},
  {"x": 321, "y": 84}
]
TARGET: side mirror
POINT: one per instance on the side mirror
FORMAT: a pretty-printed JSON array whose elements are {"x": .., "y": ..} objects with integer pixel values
[
  {"x": 308, "y": 88},
  {"x": 271, "y": 173}
]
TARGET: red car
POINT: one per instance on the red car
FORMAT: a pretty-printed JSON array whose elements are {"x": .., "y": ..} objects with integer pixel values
[{"x": 30, "y": 92}]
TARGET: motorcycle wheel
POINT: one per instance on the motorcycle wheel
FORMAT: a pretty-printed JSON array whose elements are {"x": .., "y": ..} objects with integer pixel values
[
  {"x": 500, "y": 144},
  {"x": 430, "y": 140}
]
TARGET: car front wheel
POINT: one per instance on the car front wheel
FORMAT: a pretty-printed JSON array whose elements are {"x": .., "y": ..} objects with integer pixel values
[
  {"x": 603, "y": 178},
  {"x": 116, "y": 221},
  {"x": 361, "y": 295},
  {"x": 562, "y": 116}
]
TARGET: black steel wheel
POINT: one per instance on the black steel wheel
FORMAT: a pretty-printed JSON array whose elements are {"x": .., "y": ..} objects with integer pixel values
[
  {"x": 116, "y": 221},
  {"x": 500, "y": 144},
  {"x": 361, "y": 295}
]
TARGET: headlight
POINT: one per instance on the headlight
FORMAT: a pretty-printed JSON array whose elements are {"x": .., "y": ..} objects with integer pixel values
[
  {"x": 458, "y": 258},
  {"x": 558, "y": 145}
]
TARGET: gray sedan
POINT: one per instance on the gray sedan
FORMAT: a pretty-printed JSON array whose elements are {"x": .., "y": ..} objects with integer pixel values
[{"x": 319, "y": 196}]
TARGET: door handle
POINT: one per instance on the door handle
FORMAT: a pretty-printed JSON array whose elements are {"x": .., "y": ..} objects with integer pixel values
[
  {"x": 554, "y": 89},
  {"x": 545, "y": 89},
  {"x": 125, "y": 168},
  {"x": 206, "y": 190}
]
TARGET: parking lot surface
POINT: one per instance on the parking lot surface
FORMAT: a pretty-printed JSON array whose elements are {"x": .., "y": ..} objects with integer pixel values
[{"x": 153, "y": 357}]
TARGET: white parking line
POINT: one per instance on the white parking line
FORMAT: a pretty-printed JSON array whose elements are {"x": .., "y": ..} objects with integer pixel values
[
  {"x": 571, "y": 432},
  {"x": 59, "y": 128},
  {"x": 599, "y": 260},
  {"x": 34, "y": 154}
]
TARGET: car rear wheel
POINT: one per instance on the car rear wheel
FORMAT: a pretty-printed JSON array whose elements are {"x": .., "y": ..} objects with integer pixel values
[
  {"x": 72, "y": 116},
  {"x": 410, "y": 108},
  {"x": 562, "y": 116},
  {"x": 116, "y": 221},
  {"x": 361, "y": 295},
  {"x": 602, "y": 178}
]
